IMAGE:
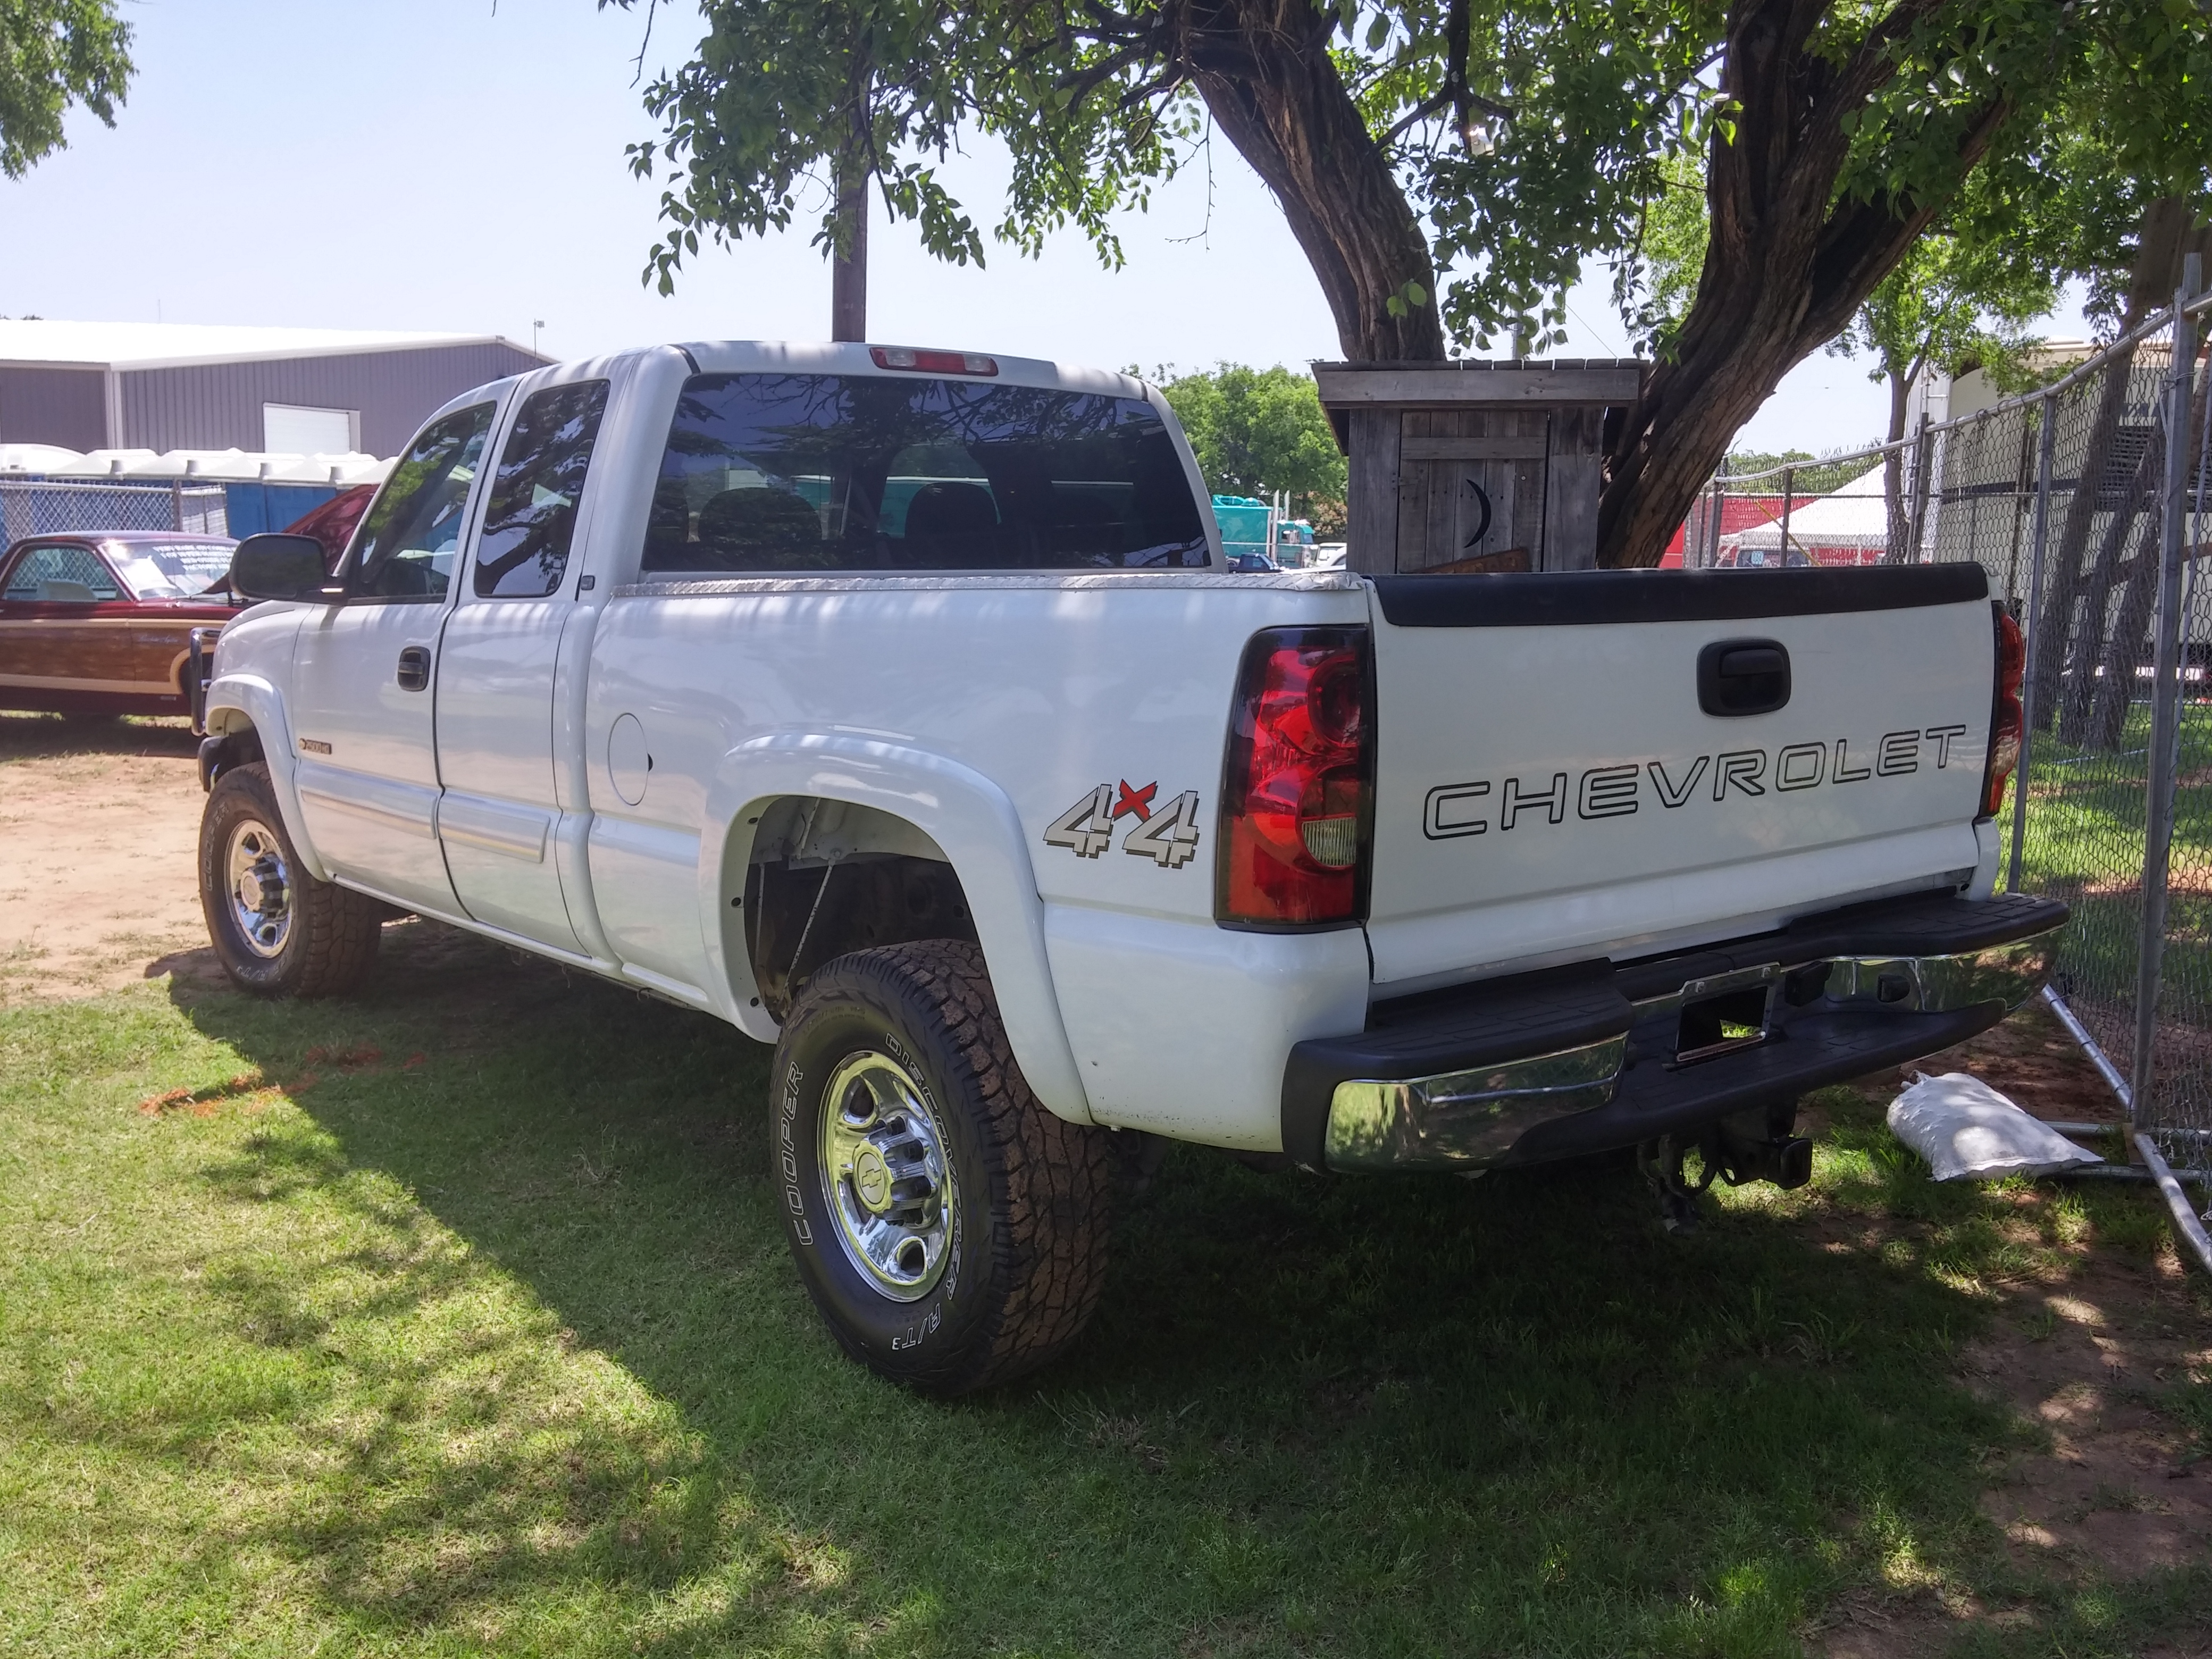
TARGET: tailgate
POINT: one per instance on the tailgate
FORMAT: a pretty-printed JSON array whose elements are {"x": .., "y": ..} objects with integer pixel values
[{"x": 1548, "y": 785}]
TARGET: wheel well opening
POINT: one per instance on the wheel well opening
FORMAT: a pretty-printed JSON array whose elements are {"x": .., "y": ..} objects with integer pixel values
[
  {"x": 827, "y": 878},
  {"x": 238, "y": 743}
]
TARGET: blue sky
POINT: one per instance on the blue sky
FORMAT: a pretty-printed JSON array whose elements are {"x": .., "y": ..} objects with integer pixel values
[{"x": 440, "y": 164}]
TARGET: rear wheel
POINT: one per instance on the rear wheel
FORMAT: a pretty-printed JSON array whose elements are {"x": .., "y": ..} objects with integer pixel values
[
  {"x": 952, "y": 1231},
  {"x": 277, "y": 931}
]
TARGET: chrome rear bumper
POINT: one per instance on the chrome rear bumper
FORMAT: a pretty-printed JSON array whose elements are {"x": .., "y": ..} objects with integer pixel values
[{"x": 1626, "y": 1076}]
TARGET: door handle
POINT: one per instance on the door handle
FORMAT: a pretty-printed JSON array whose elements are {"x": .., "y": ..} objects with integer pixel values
[
  {"x": 1743, "y": 676},
  {"x": 415, "y": 668}
]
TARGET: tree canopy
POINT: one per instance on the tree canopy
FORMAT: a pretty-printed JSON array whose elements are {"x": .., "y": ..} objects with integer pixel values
[
  {"x": 1258, "y": 430},
  {"x": 1449, "y": 167},
  {"x": 54, "y": 53}
]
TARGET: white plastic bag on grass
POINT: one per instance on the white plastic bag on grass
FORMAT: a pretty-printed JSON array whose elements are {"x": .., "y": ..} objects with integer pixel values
[{"x": 1969, "y": 1132}]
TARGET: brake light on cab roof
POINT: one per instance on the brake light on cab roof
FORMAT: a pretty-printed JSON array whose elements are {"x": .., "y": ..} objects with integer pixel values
[{"x": 933, "y": 362}]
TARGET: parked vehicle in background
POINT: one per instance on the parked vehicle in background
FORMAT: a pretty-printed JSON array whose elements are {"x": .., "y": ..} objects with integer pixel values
[
  {"x": 1248, "y": 559},
  {"x": 332, "y": 523},
  {"x": 103, "y": 623},
  {"x": 889, "y": 706},
  {"x": 1762, "y": 558}
]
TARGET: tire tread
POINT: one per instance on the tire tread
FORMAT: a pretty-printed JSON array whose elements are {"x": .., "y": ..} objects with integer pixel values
[{"x": 1048, "y": 1250}]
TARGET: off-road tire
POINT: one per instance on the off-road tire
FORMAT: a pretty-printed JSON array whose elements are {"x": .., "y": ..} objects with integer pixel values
[
  {"x": 1032, "y": 1193},
  {"x": 331, "y": 947}
]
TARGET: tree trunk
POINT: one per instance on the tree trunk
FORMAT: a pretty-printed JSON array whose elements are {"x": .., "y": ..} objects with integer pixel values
[
  {"x": 2089, "y": 643},
  {"x": 2168, "y": 233},
  {"x": 1264, "y": 69},
  {"x": 1786, "y": 263},
  {"x": 849, "y": 253},
  {"x": 1893, "y": 463},
  {"x": 2131, "y": 646},
  {"x": 848, "y": 262}
]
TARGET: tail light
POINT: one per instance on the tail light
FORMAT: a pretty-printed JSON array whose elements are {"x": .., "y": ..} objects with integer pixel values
[
  {"x": 933, "y": 362},
  {"x": 2006, "y": 721},
  {"x": 1298, "y": 802}
]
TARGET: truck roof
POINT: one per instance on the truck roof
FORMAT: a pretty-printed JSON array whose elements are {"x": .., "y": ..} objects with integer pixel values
[{"x": 820, "y": 357}]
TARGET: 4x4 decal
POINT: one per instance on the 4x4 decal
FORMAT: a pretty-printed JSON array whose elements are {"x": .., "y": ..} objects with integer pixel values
[{"x": 1167, "y": 836}]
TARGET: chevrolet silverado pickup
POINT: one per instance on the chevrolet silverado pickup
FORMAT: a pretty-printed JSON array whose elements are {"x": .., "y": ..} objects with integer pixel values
[{"x": 896, "y": 706}]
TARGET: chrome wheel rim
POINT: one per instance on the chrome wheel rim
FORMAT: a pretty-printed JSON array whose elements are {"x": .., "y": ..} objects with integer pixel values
[
  {"x": 885, "y": 1175},
  {"x": 259, "y": 888}
]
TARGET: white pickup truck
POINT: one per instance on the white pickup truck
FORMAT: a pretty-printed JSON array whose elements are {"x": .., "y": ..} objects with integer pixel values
[{"x": 896, "y": 706}]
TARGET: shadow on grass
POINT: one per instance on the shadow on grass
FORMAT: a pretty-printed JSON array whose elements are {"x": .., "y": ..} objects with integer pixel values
[
  {"x": 45, "y": 736},
  {"x": 1365, "y": 1416}
]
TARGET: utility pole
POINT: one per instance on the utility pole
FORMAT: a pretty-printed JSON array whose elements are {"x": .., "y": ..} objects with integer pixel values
[
  {"x": 848, "y": 263},
  {"x": 849, "y": 255}
]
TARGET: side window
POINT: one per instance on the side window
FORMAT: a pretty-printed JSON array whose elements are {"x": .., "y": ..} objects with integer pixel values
[
  {"x": 65, "y": 575},
  {"x": 531, "y": 517},
  {"x": 408, "y": 543}
]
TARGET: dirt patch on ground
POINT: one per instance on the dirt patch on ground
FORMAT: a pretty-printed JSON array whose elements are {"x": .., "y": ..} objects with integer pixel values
[
  {"x": 99, "y": 832},
  {"x": 2089, "y": 1356}
]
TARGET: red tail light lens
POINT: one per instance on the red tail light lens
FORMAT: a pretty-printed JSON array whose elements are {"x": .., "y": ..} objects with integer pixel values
[
  {"x": 925, "y": 361},
  {"x": 1297, "y": 806},
  {"x": 2006, "y": 721}
]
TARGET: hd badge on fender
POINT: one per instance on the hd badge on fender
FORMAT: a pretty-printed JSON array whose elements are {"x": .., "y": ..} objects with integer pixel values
[{"x": 1169, "y": 836}]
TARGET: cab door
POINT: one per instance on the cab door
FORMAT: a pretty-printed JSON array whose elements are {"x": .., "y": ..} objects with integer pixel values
[
  {"x": 362, "y": 709},
  {"x": 497, "y": 817}
]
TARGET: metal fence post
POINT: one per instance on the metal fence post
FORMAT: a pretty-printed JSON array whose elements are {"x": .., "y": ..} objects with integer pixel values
[
  {"x": 1788, "y": 490},
  {"x": 2047, "y": 411},
  {"x": 1923, "y": 461},
  {"x": 1720, "y": 512},
  {"x": 2165, "y": 709}
]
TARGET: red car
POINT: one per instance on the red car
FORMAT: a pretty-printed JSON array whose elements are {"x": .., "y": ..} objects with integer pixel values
[
  {"x": 102, "y": 622},
  {"x": 332, "y": 523}
]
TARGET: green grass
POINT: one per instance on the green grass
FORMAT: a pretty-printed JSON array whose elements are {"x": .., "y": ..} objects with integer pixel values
[
  {"x": 2085, "y": 840},
  {"x": 500, "y": 1351}
]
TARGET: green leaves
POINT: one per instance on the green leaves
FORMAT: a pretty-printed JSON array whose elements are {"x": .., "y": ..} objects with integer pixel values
[
  {"x": 54, "y": 53},
  {"x": 1603, "y": 120},
  {"x": 1403, "y": 303},
  {"x": 1257, "y": 431}
]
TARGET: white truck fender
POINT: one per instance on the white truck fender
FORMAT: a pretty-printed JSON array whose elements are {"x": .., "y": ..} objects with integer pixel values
[
  {"x": 967, "y": 815},
  {"x": 263, "y": 704}
]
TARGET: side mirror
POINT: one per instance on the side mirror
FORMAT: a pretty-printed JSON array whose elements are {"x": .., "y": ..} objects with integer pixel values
[{"x": 277, "y": 567}]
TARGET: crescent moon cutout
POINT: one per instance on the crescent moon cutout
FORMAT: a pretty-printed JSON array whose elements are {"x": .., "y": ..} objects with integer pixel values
[{"x": 1482, "y": 529}]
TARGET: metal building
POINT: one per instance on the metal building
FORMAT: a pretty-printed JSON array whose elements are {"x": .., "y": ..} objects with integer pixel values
[{"x": 166, "y": 387}]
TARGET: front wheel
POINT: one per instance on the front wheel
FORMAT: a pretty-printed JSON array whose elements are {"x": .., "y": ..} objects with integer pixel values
[
  {"x": 952, "y": 1231},
  {"x": 276, "y": 930}
]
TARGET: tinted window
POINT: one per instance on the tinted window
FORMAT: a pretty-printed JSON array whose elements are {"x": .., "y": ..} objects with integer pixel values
[
  {"x": 811, "y": 472},
  {"x": 62, "y": 576},
  {"x": 407, "y": 544},
  {"x": 532, "y": 518}
]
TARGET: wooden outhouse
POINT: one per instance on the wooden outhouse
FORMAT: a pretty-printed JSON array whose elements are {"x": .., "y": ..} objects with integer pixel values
[{"x": 1474, "y": 466}]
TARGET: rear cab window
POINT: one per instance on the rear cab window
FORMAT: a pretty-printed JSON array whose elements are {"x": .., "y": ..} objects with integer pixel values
[{"x": 824, "y": 473}]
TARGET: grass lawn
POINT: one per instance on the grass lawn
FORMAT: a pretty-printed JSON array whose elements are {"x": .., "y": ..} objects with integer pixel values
[
  {"x": 457, "y": 1320},
  {"x": 2085, "y": 844}
]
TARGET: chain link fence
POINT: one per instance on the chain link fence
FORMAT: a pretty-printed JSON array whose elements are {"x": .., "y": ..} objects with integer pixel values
[
  {"x": 30, "y": 508},
  {"x": 2087, "y": 503}
]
